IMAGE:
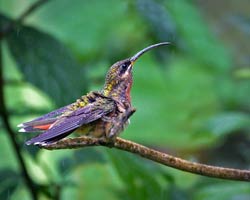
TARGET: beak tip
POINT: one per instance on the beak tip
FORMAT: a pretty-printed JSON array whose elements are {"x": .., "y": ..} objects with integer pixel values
[{"x": 138, "y": 54}]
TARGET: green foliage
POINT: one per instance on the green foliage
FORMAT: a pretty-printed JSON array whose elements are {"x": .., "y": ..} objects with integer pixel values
[
  {"x": 228, "y": 122},
  {"x": 9, "y": 181},
  {"x": 199, "y": 42},
  {"x": 189, "y": 97},
  {"x": 41, "y": 59},
  {"x": 138, "y": 173},
  {"x": 223, "y": 191}
]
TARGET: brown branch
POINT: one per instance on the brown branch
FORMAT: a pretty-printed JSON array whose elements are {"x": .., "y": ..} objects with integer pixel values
[{"x": 151, "y": 154}]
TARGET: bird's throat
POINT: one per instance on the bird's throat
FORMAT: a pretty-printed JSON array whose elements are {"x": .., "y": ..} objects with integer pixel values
[{"x": 119, "y": 92}]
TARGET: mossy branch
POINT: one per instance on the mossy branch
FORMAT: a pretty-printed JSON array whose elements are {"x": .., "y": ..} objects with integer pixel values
[{"x": 151, "y": 154}]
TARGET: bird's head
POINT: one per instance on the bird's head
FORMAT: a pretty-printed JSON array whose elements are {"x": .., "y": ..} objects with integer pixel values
[{"x": 119, "y": 77}]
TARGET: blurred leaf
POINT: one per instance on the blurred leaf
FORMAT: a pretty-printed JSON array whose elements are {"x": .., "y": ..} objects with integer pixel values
[
  {"x": 9, "y": 181},
  {"x": 176, "y": 193},
  {"x": 33, "y": 151},
  {"x": 228, "y": 190},
  {"x": 200, "y": 44},
  {"x": 165, "y": 101},
  {"x": 161, "y": 26},
  {"x": 233, "y": 151},
  {"x": 21, "y": 191},
  {"x": 4, "y": 22},
  {"x": 159, "y": 19},
  {"x": 243, "y": 73},
  {"x": 47, "y": 64},
  {"x": 93, "y": 181},
  {"x": 142, "y": 179},
  {"x": 7, "y": 152},
  {"x": 79, "y": 157},
  {"x": 89, "y": 27},
  {"x": 234, "y": 94},
  {"x": 241, "y": 22},
  {"x": 226, "y": 123}
]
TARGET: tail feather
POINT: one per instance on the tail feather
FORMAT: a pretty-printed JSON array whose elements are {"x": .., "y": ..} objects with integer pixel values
[
  {"x": 38, "y": 123},
  {"x": 48, "y": 118},
  {"x": 34, "y": 126},
  {"x": 37, "y": 141},
  {"x": 37, "y": 128},
  {"x": 28, "y": 129},
  {"x": 51, "y": 115}
]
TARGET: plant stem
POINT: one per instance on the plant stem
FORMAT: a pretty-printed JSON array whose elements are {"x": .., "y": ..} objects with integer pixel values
[
  {"x": 12, "y": 136},
  {"x": 3, "y": 109}
]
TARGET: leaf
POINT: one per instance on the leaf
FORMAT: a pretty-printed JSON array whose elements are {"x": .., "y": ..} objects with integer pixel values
[
  {"x": 142, "y": 179},
  {"x": 222, "y": 190},
  {"x": 166, "y": 103},
  {"x": 4, "y": 23},
  {"x": 158, "y": 17},
  {"x": 199, "y": 42},
  {"x": 47, "y": 64},
  {"x": 33, "y": 151},
  {"x": 80, "y": 157},
  {"x": 92, "y": 181},
  {"x": 161, "y": 25},
  {"x": 226, "y": 123},
  {"x": 91, "y": 29},
  {"x": 9, "y": 181},
  {"x": 175, "y": 193}
]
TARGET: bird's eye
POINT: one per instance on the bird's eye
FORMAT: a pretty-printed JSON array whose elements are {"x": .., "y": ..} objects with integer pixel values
[{"x": 124, "y": 67}]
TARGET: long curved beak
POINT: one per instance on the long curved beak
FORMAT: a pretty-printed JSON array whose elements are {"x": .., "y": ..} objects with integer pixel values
[{"x": 140, "y": 53}]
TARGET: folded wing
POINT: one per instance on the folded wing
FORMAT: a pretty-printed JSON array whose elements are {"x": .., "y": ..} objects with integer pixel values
[
  {"x": 44, "y": 122},
  {"x": 65, "y": 125}
]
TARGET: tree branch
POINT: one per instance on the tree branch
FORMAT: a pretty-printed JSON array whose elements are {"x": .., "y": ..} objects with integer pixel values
[{"x": 151, "y": 154}]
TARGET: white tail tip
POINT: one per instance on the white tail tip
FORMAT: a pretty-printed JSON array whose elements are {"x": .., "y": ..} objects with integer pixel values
[
  {"x": 20, "y": 125},
  {"x": 22, "y": 130}
]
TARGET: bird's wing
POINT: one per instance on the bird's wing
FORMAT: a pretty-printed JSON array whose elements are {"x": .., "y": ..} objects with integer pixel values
[
  {"x": 43, "y": 122},
  {"x": 67, "y": 124}
]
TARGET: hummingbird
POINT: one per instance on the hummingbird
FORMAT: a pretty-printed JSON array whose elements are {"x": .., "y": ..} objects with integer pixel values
[{"x": 103, "y": 113}]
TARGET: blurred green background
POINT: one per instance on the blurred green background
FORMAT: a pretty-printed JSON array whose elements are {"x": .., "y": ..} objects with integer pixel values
[{"x": 192, "y": 99}]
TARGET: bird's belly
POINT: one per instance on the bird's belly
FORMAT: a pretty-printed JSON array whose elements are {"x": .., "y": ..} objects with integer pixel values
[{"x": 96, "y": 129}]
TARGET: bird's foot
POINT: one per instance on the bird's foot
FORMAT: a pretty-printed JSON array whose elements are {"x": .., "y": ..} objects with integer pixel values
[{"x": 106, "y": 141}]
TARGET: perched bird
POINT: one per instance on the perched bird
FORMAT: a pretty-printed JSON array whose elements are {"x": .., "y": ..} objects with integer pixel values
[{"x": 104, "y": 113}]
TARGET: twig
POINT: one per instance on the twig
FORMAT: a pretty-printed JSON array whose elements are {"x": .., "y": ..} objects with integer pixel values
[
  {"x": 12, "y": 136},
  {"x": 10, "y": 26},
  {"x": 30, "y": 10},
  {"x": 151, "y": 154}
]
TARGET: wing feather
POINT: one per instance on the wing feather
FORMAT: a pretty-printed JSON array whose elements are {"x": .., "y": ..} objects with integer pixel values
[
  {"x": 47, "y": 118},
  {"x": 69, "y": 123}
]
